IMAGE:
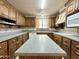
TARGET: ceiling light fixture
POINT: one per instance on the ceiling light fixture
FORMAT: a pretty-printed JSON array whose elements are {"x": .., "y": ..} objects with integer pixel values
[{"x": 43, "y": 4}]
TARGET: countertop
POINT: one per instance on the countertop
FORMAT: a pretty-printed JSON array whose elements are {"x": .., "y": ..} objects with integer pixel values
[
  {"x": 40, "y": 45},
  {"x": 10, "y": 36},
  {"x": 72, "y": 36}
]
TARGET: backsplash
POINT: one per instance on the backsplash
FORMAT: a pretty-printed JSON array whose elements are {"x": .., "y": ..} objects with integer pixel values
[{"x": 74, "y": 30}]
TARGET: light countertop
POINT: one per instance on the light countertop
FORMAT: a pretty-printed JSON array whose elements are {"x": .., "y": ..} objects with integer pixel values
[
  {"x": 72, "y": 36},
  {"x": 7, "y": 37},
  {"x": 40, "y": 45}
]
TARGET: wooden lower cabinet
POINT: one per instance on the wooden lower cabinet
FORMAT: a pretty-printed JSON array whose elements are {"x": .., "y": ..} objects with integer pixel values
[
  {"x": 40, "y": 57},
  {"x": 66, "y": 45},
  {"x": 12, "y": 47},
  {"x": 19, "y": 41},
  {"x": 75, "y": 50},
  {"x": 58, "y": 39},
  {"x": 3, "y": 50},
  {"x": 25, "y": 37},
  {"x": 50, "y": 35}
]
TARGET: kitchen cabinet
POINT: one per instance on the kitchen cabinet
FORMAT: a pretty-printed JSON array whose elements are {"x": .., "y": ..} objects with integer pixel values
[
  {"x": 52, "y": 22},
  {"x": 19, "y": 41},
  {"x": 30, "y": 22},
  {"x": 12, "y": 46},
  {"x": 75, "y": 50},
  {"x": 58, "y": 39},
  {"x": 66, "y": 45},
  {"x": 72, "y": 6},
  {"x": 12, "y": 13},
  {"x": 20, "y": 19},
  {"x": 40, "y": 57},
  {"x": 50, "y": 35},
  {"x": 25, "y": 38},
  {"x": 3, "y": 50},
  {"x": 3, "y": 8}
]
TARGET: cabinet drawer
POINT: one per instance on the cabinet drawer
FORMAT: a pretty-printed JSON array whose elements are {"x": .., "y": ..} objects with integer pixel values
[
  {"x": 74, "y": 53},
  {"x": 12, "y": 41},
  {"x": 66, "y": 42},
  {"x": 3, "y": 45},
  {"x": 75, "y": 44},
  {"x": 58, "y": 39}
]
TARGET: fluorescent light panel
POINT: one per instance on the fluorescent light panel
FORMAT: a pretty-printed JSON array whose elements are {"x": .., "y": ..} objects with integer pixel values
[{"x": 43, "y": 4}]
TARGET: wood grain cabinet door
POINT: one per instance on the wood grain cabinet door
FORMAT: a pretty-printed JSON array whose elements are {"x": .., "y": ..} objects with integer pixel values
[
  {"x": 3, "y": 50},
  {"x": 66, "y": 46},
  {"x": 75, "y": 50},
  {"x": 58, "y": 39},
  {"x": 12, "y": 47},
  {"x": 12, "y": 13},
  {"x": 19, "y": 41},
  {"x": 3, "y": 8}
]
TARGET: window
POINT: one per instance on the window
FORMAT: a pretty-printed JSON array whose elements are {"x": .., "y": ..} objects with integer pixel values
[{"x": 42, "y": 22}]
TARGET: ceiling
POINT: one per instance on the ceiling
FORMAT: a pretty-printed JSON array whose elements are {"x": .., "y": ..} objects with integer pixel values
[{"x": 32, "y": 7}]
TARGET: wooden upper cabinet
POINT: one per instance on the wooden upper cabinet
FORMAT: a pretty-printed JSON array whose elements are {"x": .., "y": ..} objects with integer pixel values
[
  {"x": 52, "y": 22},
  {"x": 20, "y": 19},
  {"x": 3, "y": 8},
  {"x": 7, "y": 10},
  {"x": 12, "y": 13},
  {"x": 30, "y": 22},
  {"x": 72, "y": 6}
]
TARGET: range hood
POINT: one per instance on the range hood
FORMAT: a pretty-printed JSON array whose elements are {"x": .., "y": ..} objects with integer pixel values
[{"x": 62, "y": 18}]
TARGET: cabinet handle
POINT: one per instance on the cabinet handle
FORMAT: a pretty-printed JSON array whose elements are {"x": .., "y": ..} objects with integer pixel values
[
  {"x": 5, "y": 56},
  {"x": 1, "y": 56},
  {"x": 17, "y": 42},
  {"x": 77, "y": 53},
  {"x": 0, "y": 47},
  {"x": 77, "y": 46}
]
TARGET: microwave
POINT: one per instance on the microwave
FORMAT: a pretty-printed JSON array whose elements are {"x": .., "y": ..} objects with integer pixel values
[{"x": 73, "y": 20}]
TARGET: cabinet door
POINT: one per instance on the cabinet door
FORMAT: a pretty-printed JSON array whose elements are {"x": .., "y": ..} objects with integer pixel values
[
  {"x": 71, "y": 6},
  {"x": 32, "y": 23},
  {"x": 19, "y": 41},
  {"x": 12, "y": 47},
  {"x": 3, "y": 8},
  {"x": 12, "y": 13},
  {"x": 75, "y": 50},
  {"x": 58, "y": 39},
  {"x": 52, "y": 22},
  {"x": 20, "y": 19},
  {"x": 66, "y": 46},
  {"x": 3, "y": 50}
]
